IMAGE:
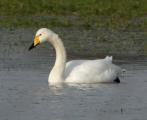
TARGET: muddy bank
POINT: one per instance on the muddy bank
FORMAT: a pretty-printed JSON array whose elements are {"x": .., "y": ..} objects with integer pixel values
[{"x": 93, "y": 42}]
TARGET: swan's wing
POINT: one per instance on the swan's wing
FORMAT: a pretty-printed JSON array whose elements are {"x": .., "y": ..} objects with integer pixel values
[
  {"x": 91, "y": 70},
  {"x": 72, "y": 65},
  {"x": 108, "y": 59}
]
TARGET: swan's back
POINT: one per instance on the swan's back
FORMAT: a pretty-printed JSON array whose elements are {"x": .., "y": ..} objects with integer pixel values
[{"x": 91, "y": 71}]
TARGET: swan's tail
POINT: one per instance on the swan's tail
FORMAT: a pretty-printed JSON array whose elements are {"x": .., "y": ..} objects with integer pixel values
[{"x": 120, "y": 72}]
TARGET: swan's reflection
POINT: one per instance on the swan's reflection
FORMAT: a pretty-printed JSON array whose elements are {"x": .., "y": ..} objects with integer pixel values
[{"x": 59, "y": 89}]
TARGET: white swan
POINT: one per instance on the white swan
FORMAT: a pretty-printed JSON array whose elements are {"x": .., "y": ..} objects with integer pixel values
[{"x": 76, "y": 71}]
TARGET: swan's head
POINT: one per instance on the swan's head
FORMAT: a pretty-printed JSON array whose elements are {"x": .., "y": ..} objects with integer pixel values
[{"x": 42, "y": 35}]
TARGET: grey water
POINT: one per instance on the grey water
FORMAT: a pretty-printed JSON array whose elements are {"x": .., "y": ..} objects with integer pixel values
[{"x": 25, "y": 94}]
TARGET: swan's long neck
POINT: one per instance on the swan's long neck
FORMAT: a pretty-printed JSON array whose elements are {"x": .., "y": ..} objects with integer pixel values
[{"x": 57, "y": 73}]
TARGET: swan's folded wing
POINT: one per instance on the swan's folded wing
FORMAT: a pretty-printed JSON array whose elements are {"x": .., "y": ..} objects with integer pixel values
[
  {"x": 91, "y": 71},
  {"x": 108, "y": 59},
  {"x": 71, "y": 65}
]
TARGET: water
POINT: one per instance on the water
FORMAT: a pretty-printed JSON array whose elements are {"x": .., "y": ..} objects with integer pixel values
[{"x": 25, "y": 94}]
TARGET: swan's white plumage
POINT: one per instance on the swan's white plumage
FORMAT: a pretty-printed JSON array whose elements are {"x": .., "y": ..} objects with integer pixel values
[
  {"x": 77, "y": 71},
  {"x": 91, "y": 71}
]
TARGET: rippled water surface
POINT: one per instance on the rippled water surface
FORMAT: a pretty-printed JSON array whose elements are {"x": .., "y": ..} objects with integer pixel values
[{"x": 25, "y": 94}]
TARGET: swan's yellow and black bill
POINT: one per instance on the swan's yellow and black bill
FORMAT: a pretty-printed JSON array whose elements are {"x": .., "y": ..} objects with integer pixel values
[{"x": 35, "y": 43}]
